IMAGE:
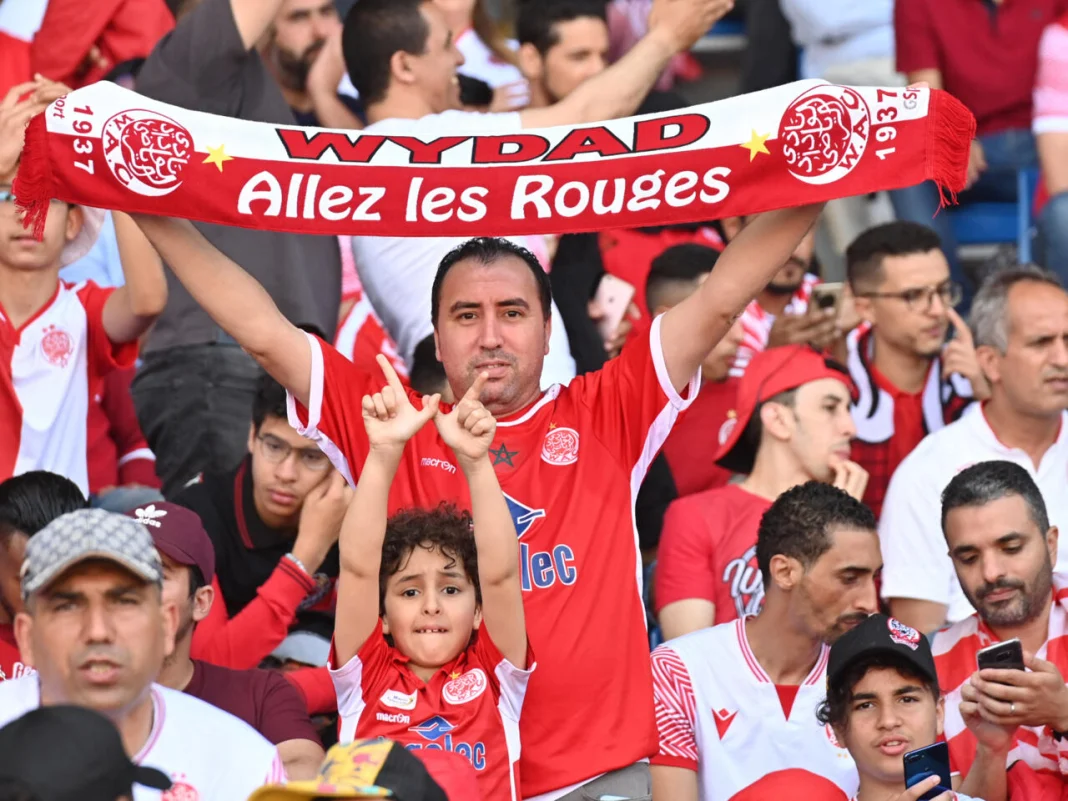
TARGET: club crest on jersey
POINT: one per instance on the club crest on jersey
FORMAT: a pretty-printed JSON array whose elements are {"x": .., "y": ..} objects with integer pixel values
[
  {"x": 561, "y": 446},
  {"x": 181, "y": 790},
  {"x": 57, "y": 346},
  {"x": 438, "y": 733},
  {"x": 902, "y": 634},
  {"x": 465, "y": 688},
  {"x": 399, "y": 700}
]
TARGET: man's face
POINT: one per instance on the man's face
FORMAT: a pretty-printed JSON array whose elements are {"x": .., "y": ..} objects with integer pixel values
[
  {"x": 890, "y": 714},
  {"x": 97, "y": 636},
  {"x": 581, "y": 51},
  {"x": 792, "y": 274},
  {"x": 1032, "y": 374},
  {"x": 819, "y": 426},
  {"x": 285, "y": 468},
  {"x": 917, "y": 330},
  {"x": 297, "y": 37},
  {"x": 837, "y": 592},
  {"x": 490, "y": 319},
  {"x": 1004, "y": 563},
  {"x": 20, "y": 251},
  {"x": 12, "y": 554},
  {"x": 717, "y": 364},
  {"x": 192, "y": 606},
  {"x": 433, "y": 71}
]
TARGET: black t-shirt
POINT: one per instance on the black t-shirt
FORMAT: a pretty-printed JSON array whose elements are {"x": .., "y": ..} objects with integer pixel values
[{"x": 247, "y": 550}]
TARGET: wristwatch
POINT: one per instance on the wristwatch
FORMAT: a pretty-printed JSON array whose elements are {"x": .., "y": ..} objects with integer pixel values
[{"x": 298, "y": 563}]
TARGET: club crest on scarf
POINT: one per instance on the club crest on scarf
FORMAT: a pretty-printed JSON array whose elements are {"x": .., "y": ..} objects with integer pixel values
[
  {"x": 824, "y": 133},
  {"x": 147, "y": 152}
]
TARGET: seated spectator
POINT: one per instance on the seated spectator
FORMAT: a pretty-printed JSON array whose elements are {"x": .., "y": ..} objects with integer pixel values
[
  {"x": 1020, "y": 323},
  {"x": 1051, "y": 136},
  {"x": 675, "y": 275},
  {"x": 844, "y": 42},
  {"x": 883, "y": 700},
  {"x": 910, "y": 382},
  {"x": 28, "y": 503},
  {"x": 792, "y": 425},
  {"x": 262, "y": 698},
  {"x": 1003, "y": 546},
  {"x": 735, "y": 702},
  {"x": 274, "y": 523},
  {"x": 992, "y": 71},
  {"x": 58, "y": 340},
  {"x": 433, "y": 611}
]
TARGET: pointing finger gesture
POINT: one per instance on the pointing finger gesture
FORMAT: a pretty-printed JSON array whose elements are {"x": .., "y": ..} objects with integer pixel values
[
  {"x": 389, "y": 417},
  {"x": 469, "y": 428}
]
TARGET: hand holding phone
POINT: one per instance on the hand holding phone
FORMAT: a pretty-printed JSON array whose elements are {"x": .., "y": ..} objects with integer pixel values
[
  {"x": 1007, "y": 655},
  {"x": 922, "y": 764}
]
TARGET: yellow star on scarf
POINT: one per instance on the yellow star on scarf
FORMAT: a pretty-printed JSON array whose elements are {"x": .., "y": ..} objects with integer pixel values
[
  {"x": 756, "y": 144},
  {"x": 454, "y": 675},
  {"x": 217, "y": 156}
]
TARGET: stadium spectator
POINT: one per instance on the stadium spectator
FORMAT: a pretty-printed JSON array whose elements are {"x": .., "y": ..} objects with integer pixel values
[
  {"x": 1003, "y": 548},
  {"x": 1020, "y": 323},
  {"x": 844, "y": 42},
  {"x": 562, "y": 43},
  {"x": 792, "y": 425},
  {"x": 674, "y": 276},
  {"x": 209, "y": 62},
  {"x": 883, "y": 700},
  {"x": 274, "y": 523},
  {"x": 735, "y": 702},
  {"x": 1051, "y": 136},
  {"x": 97, "y": 630},
  {"x": 910, "y": 382},
  {"x": 28, "y": 503},
  {"x": 488, "y": 56},
  {"x": 557, "y": 451},
  {"x": 262, "y": 698}
]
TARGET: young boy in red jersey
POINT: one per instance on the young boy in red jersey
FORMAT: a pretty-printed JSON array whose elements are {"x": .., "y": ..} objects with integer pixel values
[{"x": 430, "y": 645}]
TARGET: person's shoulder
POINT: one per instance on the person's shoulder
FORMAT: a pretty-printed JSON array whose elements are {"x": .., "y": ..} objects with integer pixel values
[
  {"x": 17, "y": 697},
  {"x": 212, "y": 723},
  {"x": 698, "y": 644},
  {"x": 947, "y": 639},
  {"x": 936, "y": 452}
]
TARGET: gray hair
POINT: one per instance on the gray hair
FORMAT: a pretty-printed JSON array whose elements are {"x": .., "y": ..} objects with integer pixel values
[
  {"x": 989, "y": 319},
  {"x": 987, "y": 482}
]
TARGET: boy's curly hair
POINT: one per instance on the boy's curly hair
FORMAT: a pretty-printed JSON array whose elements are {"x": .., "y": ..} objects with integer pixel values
[{"x": 444, "y": 528}]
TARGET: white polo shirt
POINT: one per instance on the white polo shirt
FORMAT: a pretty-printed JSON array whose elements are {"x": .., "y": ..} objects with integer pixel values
[{"x": 916, "y": 561}]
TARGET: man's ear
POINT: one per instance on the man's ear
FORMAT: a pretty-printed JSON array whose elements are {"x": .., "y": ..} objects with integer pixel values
[
  {"x": 400, "y": 68},
  {"x": 940, "y": 715},
  {"x": 785, "y": 571},
  {"x": 23, "y": 631},
  {"x": 75, "y": 221},
  {"x": 865, "y": 308},
  {"x": 530, "y": 62},
  {"x": 989, "y": 362},
  {"x": 773, "y": 419},
  {"x": 169, "y": 615},
  {"x": 251, "y": 437},
  {"x": 202, "y": 601}
]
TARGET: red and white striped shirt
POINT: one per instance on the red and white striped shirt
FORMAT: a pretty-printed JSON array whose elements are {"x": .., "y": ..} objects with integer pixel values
[
  {"x": 718, "y": 713},
  {"x": 757, "y": 323},
  {"x": 955, "y": 651}
]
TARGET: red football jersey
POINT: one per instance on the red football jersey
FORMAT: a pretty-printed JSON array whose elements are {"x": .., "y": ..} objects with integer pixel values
[
  {"x": 570, "y": 465},
  {"x": 11, "y": 666},
  {"x": 470, "y": 707}
]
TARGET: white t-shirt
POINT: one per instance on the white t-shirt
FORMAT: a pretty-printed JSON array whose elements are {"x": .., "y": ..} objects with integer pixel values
[
  {"x": 397, "y": 273},
  {"x": 209, "y": 754},
  {"x": 719, "y": 714},
  {"x": 482, "y": 63},
  {"x": 916, "y": 561}
]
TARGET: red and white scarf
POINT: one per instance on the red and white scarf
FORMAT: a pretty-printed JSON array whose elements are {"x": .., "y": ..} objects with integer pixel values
[{"x": 806, "y": 142}]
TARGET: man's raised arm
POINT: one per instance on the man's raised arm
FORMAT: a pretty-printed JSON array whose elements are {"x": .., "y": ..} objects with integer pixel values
[
  {"x": 234, "y": 300},
  {"x": 690, "y": 330},
  {"x": 674, "y": 25}
]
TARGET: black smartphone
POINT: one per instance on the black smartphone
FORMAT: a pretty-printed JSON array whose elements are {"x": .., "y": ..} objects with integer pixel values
[
  {"x": 925, "y": 762},
  {"x": 1006, "y": 655}
]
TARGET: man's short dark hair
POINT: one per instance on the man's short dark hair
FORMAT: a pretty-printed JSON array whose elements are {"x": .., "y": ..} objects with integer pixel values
[
  {"x": 835, "y": 709},
  {"x": 375, "y": 30},
  {"x": 270, "y": 401},
  {"x": 31, "y": 501},
  {"x": 444, "y": 528},
  {"x": 536, "y": 20},
  {"x": 486, "y": 250},
  {"x": 427, "y": 375},
  {"x": 679, "y": 264},
  {"x": 864, "y": 257},
  {"x": 987, "y": 482},
  {"x": 800, "y": 522}
]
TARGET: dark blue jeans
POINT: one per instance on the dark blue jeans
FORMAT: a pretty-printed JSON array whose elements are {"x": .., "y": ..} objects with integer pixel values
[
  {"x": 194, "y": 404},
  {"x": 1052, "y": 247},
  {"x": 1006, "y": 153}
]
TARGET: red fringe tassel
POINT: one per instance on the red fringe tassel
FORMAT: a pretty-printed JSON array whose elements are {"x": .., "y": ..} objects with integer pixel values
[
  {"x": 950, "y": 131},
  {"x": 34, "y": 185}
]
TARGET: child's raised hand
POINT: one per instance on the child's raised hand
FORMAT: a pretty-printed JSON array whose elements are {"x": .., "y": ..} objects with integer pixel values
[
  {"x": 469, "y": 428},
  {"x": 389, "y": 417}
]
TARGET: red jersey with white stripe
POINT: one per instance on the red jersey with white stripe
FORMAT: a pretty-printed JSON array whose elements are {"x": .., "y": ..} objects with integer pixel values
[
  {"x": 209, "y": 754},
  {"x": 570, "y": 465},
  {"x": 361, "y": 337},
  {"x": 719, "y": 714},
  {"x": 52, "y": 368},
  {"x": 470, "y": 707},
  {"x": 757, "y": 323},
  {"x": 11, "y": 664},
  {"x": 955, "y": 651}
]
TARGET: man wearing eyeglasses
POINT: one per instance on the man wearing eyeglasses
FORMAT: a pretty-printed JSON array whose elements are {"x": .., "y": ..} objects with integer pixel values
[
  {"x": 1020, "y": 321},
  {"x": 910, "y": 381},
  {"x": 274, "y": 522}
]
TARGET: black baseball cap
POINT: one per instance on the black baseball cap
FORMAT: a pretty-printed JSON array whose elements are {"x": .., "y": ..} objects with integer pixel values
[
  {"x": 880, "y": 634},
  {"x": 70, "y": 753}
]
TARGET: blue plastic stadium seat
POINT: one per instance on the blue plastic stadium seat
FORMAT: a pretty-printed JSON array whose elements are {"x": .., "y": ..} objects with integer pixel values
[{"x": 999, "y": 223}]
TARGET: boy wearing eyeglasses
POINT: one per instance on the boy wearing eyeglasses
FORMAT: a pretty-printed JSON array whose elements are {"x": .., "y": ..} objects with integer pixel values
[{"x": 274, "y": 520}]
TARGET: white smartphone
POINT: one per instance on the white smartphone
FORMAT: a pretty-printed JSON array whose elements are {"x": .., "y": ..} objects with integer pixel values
[
  {"x": 613, "y": 296},
  {"x": 827, "y": 296}
]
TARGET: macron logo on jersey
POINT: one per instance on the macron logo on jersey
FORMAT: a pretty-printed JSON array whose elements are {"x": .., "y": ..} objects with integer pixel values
[
  {"x": 540, "y": 569},
  {"x": 724, "y": 719},
  {"x": 437, "y": 728}
]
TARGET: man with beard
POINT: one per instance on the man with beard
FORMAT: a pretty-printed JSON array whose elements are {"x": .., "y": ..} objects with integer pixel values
[
  {"x": 756, "y": 681},
  {"x": 1020, "y": 323},
  {"x": 1003, "y": 548}
]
